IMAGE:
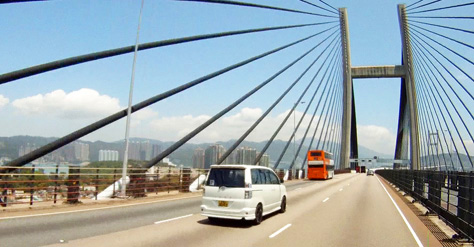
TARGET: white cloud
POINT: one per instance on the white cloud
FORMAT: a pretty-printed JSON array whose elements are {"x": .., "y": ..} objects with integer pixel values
[
  {"x": 83, "y": 103},
  {"x": 3, "y": 101},
  {"x": 174, "y": 128},
  {"x": 142, "y": 115},
  {"x": 377, "y": 138},
  {"x": 229, "y": 127},
  {"x": 243, "y": 118}
]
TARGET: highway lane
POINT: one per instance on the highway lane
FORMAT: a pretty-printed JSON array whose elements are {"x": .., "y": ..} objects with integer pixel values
[
  {"x": 50, "y": 229},
  {"x": 359, "y": 214},
  {"x": 350, "y": 210}
]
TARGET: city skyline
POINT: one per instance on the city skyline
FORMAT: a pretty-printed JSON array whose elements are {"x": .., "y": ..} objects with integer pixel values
[{"x": 183, "y": 156}]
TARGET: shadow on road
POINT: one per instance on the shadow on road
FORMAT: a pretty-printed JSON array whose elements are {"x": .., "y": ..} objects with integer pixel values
[{"x": 233, "y": 223}]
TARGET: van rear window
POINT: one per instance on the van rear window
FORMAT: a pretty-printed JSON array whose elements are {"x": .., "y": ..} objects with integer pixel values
[{"x": 228, "y": 177}]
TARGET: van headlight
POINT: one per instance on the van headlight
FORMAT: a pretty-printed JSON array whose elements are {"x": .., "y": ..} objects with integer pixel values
[{"x": 248, "y": 194}]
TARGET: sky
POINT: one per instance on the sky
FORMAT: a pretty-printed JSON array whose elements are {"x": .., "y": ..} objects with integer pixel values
[{"x": 59, "y": 102}]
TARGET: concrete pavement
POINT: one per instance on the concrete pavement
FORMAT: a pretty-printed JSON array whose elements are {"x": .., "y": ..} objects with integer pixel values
[{"x": 350, "y": 210}]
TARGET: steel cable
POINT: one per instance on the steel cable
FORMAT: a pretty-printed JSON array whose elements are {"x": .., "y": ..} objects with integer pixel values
[
  {"x": 458, "y": 114},
  {"x": 442, "y": 26},
  {"x": 58, "y": 64},
  {"x": 317, "y": 125},
  {"x": 235, "y": 145},
  {"x": 304, "y": 114},
  {"x": 415, "y": 3},
  {"x": 269, "y": 142},
  {"x": 444, "y": 119},
  {"x": 277, "y": 163},
  {"x": 421, "y": 6},
  {"x": 424, "y": 105},
  {"x": 443, "y": 8},
  {"x": 228, "y": 2},
  {"x": 112, "y": 118},
  {"x": 314, "y": 5},
  {"x": 459, "y": 83}
]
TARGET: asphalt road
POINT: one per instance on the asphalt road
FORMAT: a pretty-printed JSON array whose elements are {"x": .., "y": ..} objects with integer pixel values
[
  {"x": 50, "y": 229},
  {"x": 349, "y": 210}
]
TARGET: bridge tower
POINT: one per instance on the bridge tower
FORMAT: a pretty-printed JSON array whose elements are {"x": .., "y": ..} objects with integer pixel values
[{"x": 407, "y": 143}]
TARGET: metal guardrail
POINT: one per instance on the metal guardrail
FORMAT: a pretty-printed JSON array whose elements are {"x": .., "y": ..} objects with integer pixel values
[
  {"x": 71, "y": 184},
  {"x": 448, "y": 194},
  {"x": 32, "y": 185}
]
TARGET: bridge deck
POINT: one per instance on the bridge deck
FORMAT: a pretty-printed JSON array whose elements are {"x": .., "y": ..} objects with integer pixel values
[{"x": 350, "y": 210}]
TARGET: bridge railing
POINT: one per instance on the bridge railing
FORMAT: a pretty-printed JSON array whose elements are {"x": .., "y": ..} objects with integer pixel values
[
  {"x": 41, "y": 185},
  {"x": 72, "y": 184},
  {"x": 448, "y": 194}
]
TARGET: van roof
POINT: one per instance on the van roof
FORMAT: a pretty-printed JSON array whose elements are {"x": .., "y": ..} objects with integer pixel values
[{"x": 238, "y": 166}]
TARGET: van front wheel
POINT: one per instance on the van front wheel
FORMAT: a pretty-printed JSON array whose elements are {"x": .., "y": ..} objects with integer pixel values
[{"x": 258, "y": 214}]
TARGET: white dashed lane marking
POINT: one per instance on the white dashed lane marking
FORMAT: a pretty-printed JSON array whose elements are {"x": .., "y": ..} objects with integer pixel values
[{"x": 279, "y": 231}]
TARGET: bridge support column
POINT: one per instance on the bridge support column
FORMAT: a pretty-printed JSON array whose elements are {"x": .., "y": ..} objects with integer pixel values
[
  {"x": 410, "y": 98},
  {"x": 347, "y": 91}
]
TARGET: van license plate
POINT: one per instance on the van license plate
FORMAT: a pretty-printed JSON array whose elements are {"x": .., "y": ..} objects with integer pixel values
[{"x": 223, "y": 203}]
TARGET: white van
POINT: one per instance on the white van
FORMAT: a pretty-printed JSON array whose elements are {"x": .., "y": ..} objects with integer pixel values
[{"x": 242, "y": 192}]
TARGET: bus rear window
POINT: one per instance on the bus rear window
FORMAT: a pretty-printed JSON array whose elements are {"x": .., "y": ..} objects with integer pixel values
[
  {"x": 316, "y": 166},
  {"x": 228, "y": 177},
  {"x": 315, "y": 154}
]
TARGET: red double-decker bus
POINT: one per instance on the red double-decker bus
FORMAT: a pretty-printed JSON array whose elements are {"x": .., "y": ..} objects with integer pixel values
[{"x": 320, "y": 164}]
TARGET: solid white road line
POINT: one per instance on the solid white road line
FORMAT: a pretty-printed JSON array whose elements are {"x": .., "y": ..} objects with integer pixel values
[
  {"x": 297, "y": 188},
  {"x": 403, "y": 216},
  {"x": 177, "y": 218},
  {"x": 325, "y": 200},
  {"x": 92, "y": 209},
  {"x": 279, "y": 231}
]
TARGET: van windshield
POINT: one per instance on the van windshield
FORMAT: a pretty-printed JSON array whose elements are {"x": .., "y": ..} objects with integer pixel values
[{"x": 228, "y": 177}]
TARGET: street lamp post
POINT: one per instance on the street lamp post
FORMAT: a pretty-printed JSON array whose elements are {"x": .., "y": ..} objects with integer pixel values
[
  {"x": 435, "y": 142},
  {"x": 294, "y": 129},
  {"x": 450, "y": 147},
  {"x": 123, "y": 190}
]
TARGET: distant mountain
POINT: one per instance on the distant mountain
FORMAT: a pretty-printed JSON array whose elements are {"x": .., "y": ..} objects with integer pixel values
[
  {"x": 449, "y": 161},
  {"x": 9, "y": 147},
  {"x": 369, "y": 153}
]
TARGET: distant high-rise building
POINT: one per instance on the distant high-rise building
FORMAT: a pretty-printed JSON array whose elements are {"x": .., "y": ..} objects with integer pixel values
[
  {"x": 156, "y": 150},
  {"x": 108, "y": 155},
  {"x": 246, "y": 155},
  {"x": 134, "y": 151},
  {"x": 212, "y": 154},
  {"x": 26, "y": 149},
  {"x": 264, "y": 160},
  {"x": 232, "y": 158},
  {"x": 68, "y": 153},
  {"x": 145, "y": 150},
  {"x": 198, "y": 158},
  {"x": 81, "y": 151}
]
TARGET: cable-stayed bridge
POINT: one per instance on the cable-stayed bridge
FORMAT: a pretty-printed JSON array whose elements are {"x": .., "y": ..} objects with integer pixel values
[{"x": 310, "y": 69}]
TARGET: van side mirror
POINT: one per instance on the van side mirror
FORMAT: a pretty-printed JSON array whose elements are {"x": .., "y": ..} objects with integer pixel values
[{"x": 282, "y": 180}]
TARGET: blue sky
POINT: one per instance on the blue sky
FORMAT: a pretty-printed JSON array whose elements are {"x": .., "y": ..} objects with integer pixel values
[{"x": 59, "y": 102}]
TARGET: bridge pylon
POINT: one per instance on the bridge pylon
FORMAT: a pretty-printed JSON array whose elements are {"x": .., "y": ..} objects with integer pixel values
[
  {"x": 348, "y": 117},
  {"x": 407, "y": 143}
]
